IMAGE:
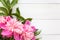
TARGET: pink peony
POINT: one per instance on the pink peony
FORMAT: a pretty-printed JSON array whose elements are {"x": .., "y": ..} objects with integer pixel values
[
  {"x": 7, "y": 18},
  {"x": 28, "y": 27},
  {"x": 3, "y": 21},
  {"x": 28, "y": 32},
  {"x": 27, "y": 35},
  {"x": 14, "y": 26}
]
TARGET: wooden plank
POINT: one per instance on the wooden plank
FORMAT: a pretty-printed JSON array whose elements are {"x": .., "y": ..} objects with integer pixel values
[
  {"x": 40, "y": 11},
  {"x": 50, "y": 37},
  {"x": 47, "y": 26},
  {"x": 39, "y": 1}
]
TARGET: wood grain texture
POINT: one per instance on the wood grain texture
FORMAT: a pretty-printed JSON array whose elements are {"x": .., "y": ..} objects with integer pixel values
[
  {"x": 51, "y": 37},
  {"x": 48, "y": 26},
  {"x": 40, "y": 11},
  {"x": 39, "y": 1}
]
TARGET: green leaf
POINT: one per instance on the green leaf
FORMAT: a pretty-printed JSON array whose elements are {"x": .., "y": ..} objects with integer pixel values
[
  {"x": 29, "y": 19},
  {"x": 37, "y": 39},
  {"x": 37, "y": 32},
  {"x": 4, "y": 10},
  {"x": 14, "y": 2},
  {"x": 8, "y": 2},
  {"x": 10, "y": 12},
  {"x": 19, "y": 17},
  {"x": 18, "y": 12},
  {"x": 5, "y": 4},
  {"x": 1, "y": 14}
]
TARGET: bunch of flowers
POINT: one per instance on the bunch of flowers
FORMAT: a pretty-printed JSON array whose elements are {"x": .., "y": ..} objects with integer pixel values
[{"x": 15, "y": 28}]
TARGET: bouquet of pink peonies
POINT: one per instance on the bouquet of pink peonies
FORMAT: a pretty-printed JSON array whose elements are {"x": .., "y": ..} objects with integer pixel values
[{"x": 15, "y": 28}]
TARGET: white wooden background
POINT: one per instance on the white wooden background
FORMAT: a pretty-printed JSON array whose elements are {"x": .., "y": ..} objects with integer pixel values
[{"x": 45, "y": 14}]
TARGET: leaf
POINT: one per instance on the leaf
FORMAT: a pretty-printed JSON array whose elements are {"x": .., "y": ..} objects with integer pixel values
[
  {"x": 8, "y": 2},
  {"x": 14, "y": 2},
  {"x": 3, "y": 10},
  {"x": 10, "y": 12},
  {"x": 37, "y": 39},
  {"x": 18, "y": 12},
  {"x": 19, "y": 17},
  {"x": 29, "y": 19},
  {"x": 14, "y": 14},
  {"x": 1, "y": 14},
  {"x": 37, "y": 33},
  {"x": 5, "y": 4}
]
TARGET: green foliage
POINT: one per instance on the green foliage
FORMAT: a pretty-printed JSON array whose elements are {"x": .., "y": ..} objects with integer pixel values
[
  {"x": 8, "y": 1},
  {"x": 14, "y": 2},
  {"x": 37, "y": 32},
  {"x": 37, "y": 38},
  {"x": 4, "y": 10},
  {"x": 5, "y": 4},
  {"x": 29, "y": 19},
  {"x": 17, "y": 11},
  {"x": 1, "y": 14}
]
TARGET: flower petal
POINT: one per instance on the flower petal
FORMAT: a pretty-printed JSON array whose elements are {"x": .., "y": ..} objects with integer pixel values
[
  {"x": 6, "y": 33},
  {"x": 16, "y": 36},
  {"x": 27, "y": 22}
]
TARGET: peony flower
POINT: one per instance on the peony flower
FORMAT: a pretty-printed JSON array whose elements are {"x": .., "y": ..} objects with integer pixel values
[
  {"x": 14, "y": 26},
  {"x": 3, "y": 21},
  {"x": 28, "y": 27},
  {"x": 7, "y": 18},
  {"x": 11, "y": 27},
  {"x": 28, "y": 32},
  {"x": 28, "y": 35}
]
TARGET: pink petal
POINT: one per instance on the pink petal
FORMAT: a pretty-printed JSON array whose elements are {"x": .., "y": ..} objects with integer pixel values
[
  {"x": 6, "y": 33},
  {"x": 21, "y": 37},
  {"x": 16, "y": 36},
  {"x": 27, "y": 22},
  {"x": 7, "y": 18},
  {"x": 2, "y": 26},
  {"x": 34, "y": 29},
  {"x": 33, "y": 38},
  {"x": 18, "y": 31}
]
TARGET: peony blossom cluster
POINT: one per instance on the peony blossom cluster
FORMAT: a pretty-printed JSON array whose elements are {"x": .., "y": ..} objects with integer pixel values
[{"x": 12, "y": 27}]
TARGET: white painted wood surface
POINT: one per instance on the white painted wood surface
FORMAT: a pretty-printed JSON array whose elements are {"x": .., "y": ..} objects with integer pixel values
[
  {"x": 48, "y": 26},
  {"x": 50, "y": 37},
  {"x": 40, "y": 11},
  {"x": 39, "y": 1}
]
